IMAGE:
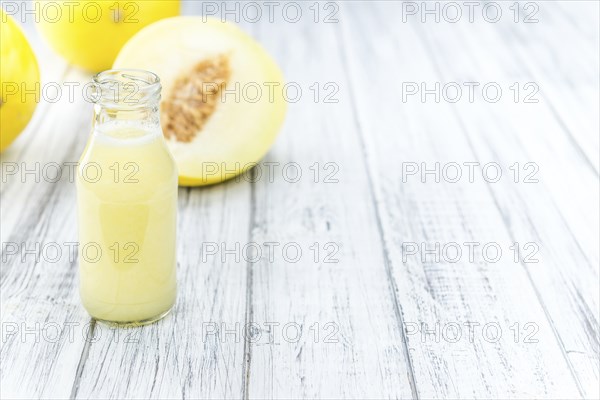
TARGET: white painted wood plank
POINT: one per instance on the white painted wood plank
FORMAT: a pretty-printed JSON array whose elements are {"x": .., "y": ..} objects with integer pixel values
[
  {"x": 43, "y": 326},
  {"x": 43, "y": 331},
  {"x": 444, "y": 292},
  {"x": 569, "y": 110},
  {"x": 361, "y": 353},
  {"x": 567, "y": 275}
]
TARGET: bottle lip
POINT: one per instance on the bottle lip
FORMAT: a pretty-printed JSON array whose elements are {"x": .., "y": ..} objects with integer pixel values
[{"x": 126, "y": 88}]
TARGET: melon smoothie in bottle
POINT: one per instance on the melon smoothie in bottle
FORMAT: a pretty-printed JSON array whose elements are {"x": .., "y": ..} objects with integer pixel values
[{"x": 127, "y": 204}]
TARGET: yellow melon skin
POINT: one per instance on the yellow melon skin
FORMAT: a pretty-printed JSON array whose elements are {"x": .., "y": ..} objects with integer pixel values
[
  {"x": 240, "y": 131},
  {"x": 90, "y": 33},
  {"x": 19, "y": 72}
]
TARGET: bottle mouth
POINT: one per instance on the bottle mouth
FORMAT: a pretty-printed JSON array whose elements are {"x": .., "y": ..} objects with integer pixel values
[{"x": 126, "y": 88}]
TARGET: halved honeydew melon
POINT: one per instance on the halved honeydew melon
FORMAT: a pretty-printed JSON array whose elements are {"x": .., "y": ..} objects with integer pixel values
[{"x": 222, "y": 99}]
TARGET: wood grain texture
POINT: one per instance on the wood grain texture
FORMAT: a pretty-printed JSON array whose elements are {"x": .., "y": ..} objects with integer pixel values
[
  {"x": 43, "y": 326},
  {"x": 356, "y": 315},
  {"x": 446, "y": 212},
  {"x": 566, "y": 277},
  {"x": 359, "y": 351}
]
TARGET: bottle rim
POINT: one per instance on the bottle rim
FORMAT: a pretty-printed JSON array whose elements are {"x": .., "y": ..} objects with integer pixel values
[{"x": 126, "y": 88}]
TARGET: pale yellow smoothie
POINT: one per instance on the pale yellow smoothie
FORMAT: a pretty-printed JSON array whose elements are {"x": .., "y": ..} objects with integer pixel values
[{"x": 127, "y": 201}]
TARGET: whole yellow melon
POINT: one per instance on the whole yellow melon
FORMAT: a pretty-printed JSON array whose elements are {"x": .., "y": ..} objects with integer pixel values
[
  {"x": 19, "y": 81},
  {"x": 90, "y": 33}
]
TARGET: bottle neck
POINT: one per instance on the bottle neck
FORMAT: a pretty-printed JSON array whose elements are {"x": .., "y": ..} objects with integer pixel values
[
  {"x": 106, "y": 116},
  {"x": 126, "y": 98}
]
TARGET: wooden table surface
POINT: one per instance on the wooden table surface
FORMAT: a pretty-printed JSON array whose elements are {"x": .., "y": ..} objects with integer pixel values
[{"x": 400, "y": 240}]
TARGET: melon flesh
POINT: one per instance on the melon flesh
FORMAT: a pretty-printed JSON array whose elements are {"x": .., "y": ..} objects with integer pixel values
[{"x": 222, "y": 99}]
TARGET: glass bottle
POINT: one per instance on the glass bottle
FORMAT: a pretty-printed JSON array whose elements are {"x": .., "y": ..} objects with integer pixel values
[{"x": 127, "y": 204}]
